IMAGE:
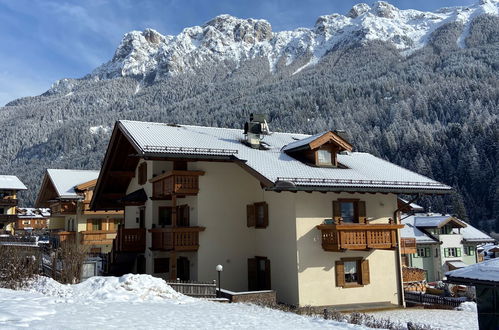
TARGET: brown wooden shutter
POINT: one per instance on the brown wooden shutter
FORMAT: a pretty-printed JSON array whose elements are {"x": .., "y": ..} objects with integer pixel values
[
  {"x": 340, "y": 273},
  {"x": 265, "y": 215},
  {"x": 267, "y": 275},
  {"x": 336, "y": 211},
  {"x": 110, "y": 224},
  {"x": 252, "y": 274},
  {"x": 365, "y": 276},
  {"x": 250, "y": 215},
  {"x": 362, "y": 211},
  {"x": 90, "y": 224}
]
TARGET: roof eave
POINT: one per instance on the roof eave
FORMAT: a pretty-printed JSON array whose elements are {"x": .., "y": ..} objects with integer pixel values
[{"x": 394, "y": 190}]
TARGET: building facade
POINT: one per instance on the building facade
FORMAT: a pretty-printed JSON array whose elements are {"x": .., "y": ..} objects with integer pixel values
[
  {"x": 10, "y": 185},
  {"x": 303, "y": 215}
]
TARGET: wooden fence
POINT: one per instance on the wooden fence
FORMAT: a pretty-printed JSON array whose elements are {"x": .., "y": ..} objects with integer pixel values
[
  {"x": 429, "y": 299},
  {"x": 195, "y": 289}
]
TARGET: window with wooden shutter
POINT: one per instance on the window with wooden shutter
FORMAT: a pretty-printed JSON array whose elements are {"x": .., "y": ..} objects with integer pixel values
[
  {"x": 336, "y": 211},
  {"x": 257, "y": 215},
  {"x": 364, "y": 271},
  {"x": 142, "y": 173},
  {"x": 89, "y": 224},
  {"x": 183, "y": 216},
  {"x": 340, "y": 273},
  {"x": 361, "y": 210},
  {"x": 349, "y": 211},
  {"x": 250, "y": 215}
]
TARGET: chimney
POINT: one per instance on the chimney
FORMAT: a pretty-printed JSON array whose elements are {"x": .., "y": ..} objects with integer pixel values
[{"x": 256, "y": 129}]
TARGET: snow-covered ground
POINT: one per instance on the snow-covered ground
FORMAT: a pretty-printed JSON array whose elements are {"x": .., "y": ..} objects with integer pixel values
[
  {"x": 138, "y": 302},
  {"x": 465, "y": 318}
]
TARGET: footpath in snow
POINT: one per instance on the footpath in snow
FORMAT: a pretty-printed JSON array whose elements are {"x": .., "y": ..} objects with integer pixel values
[{"x": 136, "y": 302}]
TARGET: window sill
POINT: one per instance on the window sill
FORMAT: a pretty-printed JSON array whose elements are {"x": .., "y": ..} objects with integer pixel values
[{"x": 352, "y": 285}]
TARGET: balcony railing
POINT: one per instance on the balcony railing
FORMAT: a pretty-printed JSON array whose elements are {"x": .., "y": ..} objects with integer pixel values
[
  {"x": 64, "y": 236},
  {"x": 176, "y": 182},
  {"x": 63, "y": 208},
  {"x": 407, "y": 245},
  {"x": 8, "y": 217},
  {"x": 97, "y": 237},
  {"x": 130, "y": 240},
  {"x": 176, "y": 239},
  {"x": 8, "y": 202},
  {"x": 341, "y": 237}
]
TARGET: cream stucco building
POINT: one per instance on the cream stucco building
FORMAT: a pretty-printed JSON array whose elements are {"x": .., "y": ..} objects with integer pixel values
[
  {"x": 302, "y": 215},
  {"x": 10, "y": 185}
]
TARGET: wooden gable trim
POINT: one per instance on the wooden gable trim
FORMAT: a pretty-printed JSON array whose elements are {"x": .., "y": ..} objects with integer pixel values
[
  {"x": 453, "y": 220},
  {"x": 330, "y": 137},
  {"x": 46, "y": 193},
  {"x": 86, "y": 185}
]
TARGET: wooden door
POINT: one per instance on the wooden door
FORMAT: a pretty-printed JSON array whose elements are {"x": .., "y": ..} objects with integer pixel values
[{"x": 183, "y": 269}]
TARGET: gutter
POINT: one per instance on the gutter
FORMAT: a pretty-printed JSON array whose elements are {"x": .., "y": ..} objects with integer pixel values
[{"x": 399, "y": 257}]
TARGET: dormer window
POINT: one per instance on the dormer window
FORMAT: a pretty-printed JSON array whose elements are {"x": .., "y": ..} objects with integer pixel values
[
  {"x": 318, "y": 150},
  {"x": 323, "y": 157}
]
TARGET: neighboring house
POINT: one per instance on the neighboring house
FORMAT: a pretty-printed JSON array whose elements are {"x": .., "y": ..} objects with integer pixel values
[
  {"x": 299, "y": 214},
  {"x": 32, "y": 219},
  {"x": 443, "y": 243},
  {"x": 68, "y": 194},
  {"x": 10, "y": 185},
  {"x": 484, "y": 277}
]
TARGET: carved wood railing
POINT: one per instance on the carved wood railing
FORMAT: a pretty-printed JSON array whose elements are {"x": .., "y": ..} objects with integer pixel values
[
  {"x": 63, "y": 208},
  {"x": 8, "y": 201},
  {"x": 176, "y": 239},
  {"x": 97, "y": 237},
  {"x": 64, "y": 236},
  {"x": 130, "y": 240},
  {"x": 407, "y": 245},
  {"x": 342, "y": 237},
  {"x": 176, "y": 182}
]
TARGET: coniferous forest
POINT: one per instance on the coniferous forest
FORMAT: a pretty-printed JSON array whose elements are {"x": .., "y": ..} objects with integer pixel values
[{"x": 435, "y": 111}]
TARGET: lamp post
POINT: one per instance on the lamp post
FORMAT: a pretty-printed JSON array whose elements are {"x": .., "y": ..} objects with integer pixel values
[{"x": 219, "y": 269}]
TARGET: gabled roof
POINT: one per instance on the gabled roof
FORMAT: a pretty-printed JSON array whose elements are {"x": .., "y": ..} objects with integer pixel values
[
  {"x": 469, "y": 233},
  {"x": 437, "y": 221},
  {"x": 317, "y": 140},
  {"x": 411, "y": 231},
  {"x": 486, "y": 271},
  {"x": 65, "y": 181},
  {"x": 31, "y": 213},
  {"x": 11, "y": 182},
  {"x": 364, "y": 170}
]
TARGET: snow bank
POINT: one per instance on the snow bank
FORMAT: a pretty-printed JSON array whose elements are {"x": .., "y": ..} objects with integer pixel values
[
  {"x": 130, "y": 287},
  {"x": 467, "y": 306}
]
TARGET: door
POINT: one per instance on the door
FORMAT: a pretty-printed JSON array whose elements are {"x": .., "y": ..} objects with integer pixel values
[
  {"x": 183, "y": 271},
  {"x": 142, "y": 217},
  {"x": 259, "y": 274}
]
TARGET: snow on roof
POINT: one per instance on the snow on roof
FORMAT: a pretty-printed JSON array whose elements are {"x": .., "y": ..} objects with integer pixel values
[
  {"x": 456, "y": 263},
  {"x": 484, "y": 271},
  {"x": 415, "y": 207},
  {"x": 31, "y": 212},
  {"x": 410, "y": 231},
  {"x": 11, "y": 182},
  {"x": 303, "y": 142},
  {"x": 65, "y": 180},
  {"x": 363, "y": 170},
  {"x": 471, "y": 234},
  {"x": 434, "y": 221}
]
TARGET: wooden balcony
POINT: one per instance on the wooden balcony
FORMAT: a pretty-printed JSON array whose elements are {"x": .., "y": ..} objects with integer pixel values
[
  {"x": 407, "y": 245},
  {"x": 175, "y": 182},
  {"x": 64, "y": 236},
  {"x": 97, "y": 237},
  {"x": 130, "y": 240},
  {"x": 8, "y": 202},
  {"x": 8, "y": 217},
  {"x": 353, "y": 236},
  {"x": 176, "y": 239},
  {"x": 62, "y": 208}
]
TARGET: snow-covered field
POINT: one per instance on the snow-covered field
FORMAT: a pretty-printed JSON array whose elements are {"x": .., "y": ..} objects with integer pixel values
[
  {"x": 465, "y": 319},
  {"x": 136, "y": 302}
]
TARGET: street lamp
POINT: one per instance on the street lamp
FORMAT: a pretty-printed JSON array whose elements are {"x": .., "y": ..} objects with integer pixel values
[{"x": 219, "y": 269}]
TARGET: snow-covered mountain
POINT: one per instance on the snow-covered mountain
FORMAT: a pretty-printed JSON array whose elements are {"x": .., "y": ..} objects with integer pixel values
[{"x": 227, "y": 38}]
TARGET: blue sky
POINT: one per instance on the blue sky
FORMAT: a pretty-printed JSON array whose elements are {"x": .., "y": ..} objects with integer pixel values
[{"x": 46, "y": 40}]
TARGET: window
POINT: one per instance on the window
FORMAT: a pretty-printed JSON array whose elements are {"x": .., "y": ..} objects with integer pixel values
[
  {"x": 452, "y": 252},
  {"x": 423, "y": 252},
  {"x": 96, "y": 224},
  {"x": 257, "y": 215},
  {"x": 323, "y": 157},
  {"x": 161, "y": 265},
  {"x": 469, "y": 250},
  {"x": 142, "y": 173},
  {"x": 349, "y": 210},
  {"x": 436, "y": 252},
  {"x": 352, "y": 272},
  {"x": 26, "y": 222},
  {"x": 165, "y": 216}
]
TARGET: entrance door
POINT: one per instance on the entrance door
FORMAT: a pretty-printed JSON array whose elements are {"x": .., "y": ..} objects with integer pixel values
[
  {"x": 183, "y": 269},
  {"x": 142, "y": 217},
  {"x": 259, "y": 274}
]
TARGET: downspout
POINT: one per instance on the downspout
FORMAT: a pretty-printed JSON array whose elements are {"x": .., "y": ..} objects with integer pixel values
[{"x": 399, "y": 256}]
